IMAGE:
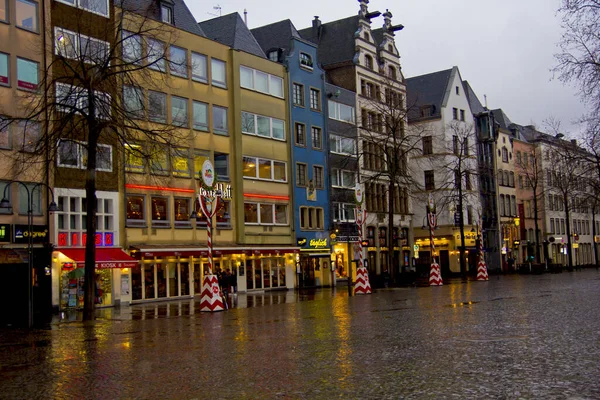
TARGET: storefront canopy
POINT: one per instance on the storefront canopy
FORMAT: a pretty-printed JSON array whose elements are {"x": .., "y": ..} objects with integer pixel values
[{"x": 105, "y": 257}]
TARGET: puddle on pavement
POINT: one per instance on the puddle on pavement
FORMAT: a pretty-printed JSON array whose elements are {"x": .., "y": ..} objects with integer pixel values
[{"x": 462, "y": 304}]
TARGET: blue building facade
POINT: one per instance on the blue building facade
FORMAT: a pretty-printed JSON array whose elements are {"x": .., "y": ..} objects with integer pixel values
[{"x": 310, "y": 145}]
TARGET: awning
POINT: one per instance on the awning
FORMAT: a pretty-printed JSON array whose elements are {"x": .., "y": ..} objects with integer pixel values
[{"x": 105, "y": 257}]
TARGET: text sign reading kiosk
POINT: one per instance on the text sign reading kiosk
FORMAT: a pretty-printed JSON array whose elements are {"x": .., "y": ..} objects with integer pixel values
[
  {"x": 363, "y": 286},
  {"x": 210, "y": 202}
]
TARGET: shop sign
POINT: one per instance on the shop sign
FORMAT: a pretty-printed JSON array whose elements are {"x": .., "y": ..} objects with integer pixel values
[
  {"x": 348, "y": 239},
  {"x": 318, "y": 243},
  {"x": 220, "y": 190},
  {"x": 38, "y": 233},
  {"x": 301, "y": 241},
  {"x": 5, "y": 233}
]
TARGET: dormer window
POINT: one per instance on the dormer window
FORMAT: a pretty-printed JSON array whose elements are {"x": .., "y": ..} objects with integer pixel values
[
  {"x": 366, "y": 36},
  {"x": 166, "y": 14},
  {"x": 392, "y": 73},
  {"x": 274, "y": 55},
  {"x": 390, "y": 48},
  {"x": 369, "y": 62},
  {"x": 306, "y": 61}
]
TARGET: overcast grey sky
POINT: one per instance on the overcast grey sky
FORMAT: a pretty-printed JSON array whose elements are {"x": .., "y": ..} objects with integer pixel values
[{"x": 503, "y": 48}]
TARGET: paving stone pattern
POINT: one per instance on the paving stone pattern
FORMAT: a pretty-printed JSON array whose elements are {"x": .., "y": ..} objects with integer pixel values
[{"x": 530, "y": 337}]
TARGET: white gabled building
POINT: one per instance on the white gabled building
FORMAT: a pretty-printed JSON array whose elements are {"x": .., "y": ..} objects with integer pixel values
[{"x": 440, "y": 117}]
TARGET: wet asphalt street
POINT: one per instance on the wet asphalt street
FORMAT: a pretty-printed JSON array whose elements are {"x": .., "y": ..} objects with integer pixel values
[{"x": 532, "y": 337}]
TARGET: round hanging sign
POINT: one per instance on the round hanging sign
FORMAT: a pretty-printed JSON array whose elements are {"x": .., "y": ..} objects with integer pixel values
[
  {"x": 358, "y": 194},
  {"x": 208, "y": 174}
]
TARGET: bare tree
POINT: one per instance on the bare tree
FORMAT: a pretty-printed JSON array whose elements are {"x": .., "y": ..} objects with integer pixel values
[
  {"x": 93, "y": 92},
  {"x": 578, "y": 60},
  {"x": 591, "y": 143}
]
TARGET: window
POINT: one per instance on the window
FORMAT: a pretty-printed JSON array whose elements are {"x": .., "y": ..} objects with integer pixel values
[
  {"x": 160, "y": 212},
  {"x": 219, "y": 115},
  {"x": 343, "y": 178},
  {"x": 341, "y": 112},
  {"x": 462, "y": 115},
  {"x": 26, "y": 136},
  {"x": 182, "y": 211},
  {"x": 156, "y": 54},
  {"x": 520, "y": 181},
  {"x": 159, "y": 159},
  {"x": 166, "y": 14},
  {"x": 518, "y": 158},
  {"x": 5, "y": 142},
  {"x": 35, "y": 196},
  {"x": 95, "y": 6},
  {"x": 199, "y": 68},
  {"x": 180, "y": 162},
  {"x": 27, "y": 15},
  {"x": 344, "y": 212},
  {"x": 263, "y": 126},
  {"x": 392, "y": 71},
  {"x": 27, "y": 74},
  {"x": 298, "y": 94},
  {"x": 511, "y": 179},
  {"x": 71, "y": 154},
  {"x": 133, "y": 101},
  {"x": 178, "y": 61},
  {"x": 429, "y": 180},
  {"x": 455, "y": 145},
  {"x": 306, "y": 61},
  {"x": 273, "y": 55},
  {"x": 200, "y": 115},
  {"x": 468, "y": 185},
  {"x": 301, "y": 175},
  {"x": 316, "y": 137},
  {"x": 261, "y": 81},
  {"x": 157, "y": 106},
  {"x": 342, "y": 145},
  {"x": 179, "y": 111},
  {"x": 132, "y": 48},
  {"x": 134, "y": 161},
  {"x": 318, "y": 177},
  {"x": 551, "y": 225},
  {"x": 427, "y": 145},
  {"x": 311, "y": 218},
  {"x": 259, "y": 168},
  {"x": 368, "y": 62},
  {"x": 315, "y": 99},
  {"x": 221, "y": 166},
  {"x": 265, "y": 214},
  {"x": 504, "y": 155},
  {"x": 455, "y": 113},
  {"x": 457, "y": 91},
  {"x": 73, "y": 99},
  {"x": 218, "y": 73},
  {"x": 4, "y": 62},
  {"x": 4, "y": 10},
  {"x": 300, "y": 134},
  {"x": 79, "y": 47}
]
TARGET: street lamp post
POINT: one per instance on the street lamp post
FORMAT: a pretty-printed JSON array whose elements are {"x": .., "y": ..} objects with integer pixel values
[{"x": 5, "y": 204}]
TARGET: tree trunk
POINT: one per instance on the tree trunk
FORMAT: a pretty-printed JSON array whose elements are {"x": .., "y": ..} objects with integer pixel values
[
  {"x": 568, "y": 222},
  {"x": 537, "y": 228},
  {"x": 463, "y": 265},
  {"x": 390, "y": 244},
  {"x": 90, "y": 244}
]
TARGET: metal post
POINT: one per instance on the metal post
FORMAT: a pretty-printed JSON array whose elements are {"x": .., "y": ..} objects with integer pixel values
[
  {"x": 209, "y": 242},
  {"x": 29, "y": 258}
]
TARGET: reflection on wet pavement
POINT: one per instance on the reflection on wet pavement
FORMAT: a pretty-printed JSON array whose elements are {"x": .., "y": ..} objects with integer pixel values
[{"x": 512, "y": 337}]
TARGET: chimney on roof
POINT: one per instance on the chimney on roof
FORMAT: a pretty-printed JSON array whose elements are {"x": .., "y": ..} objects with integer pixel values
[
  {"x": 574, "y": 142},
  {"x": 246, "y": 17},
  {"x": 316, "y": 24}
]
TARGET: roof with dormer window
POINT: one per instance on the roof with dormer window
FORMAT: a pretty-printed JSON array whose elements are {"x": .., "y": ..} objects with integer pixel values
[
  {"x": 276, "y": 36},
  {"x": 182, "y": 17},
  {"x": 336, "y": 40}
]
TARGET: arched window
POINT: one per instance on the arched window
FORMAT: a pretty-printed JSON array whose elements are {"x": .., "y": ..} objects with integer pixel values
[
  {"x": 500, "y": 178},
  {"x": 390, "y": 48},
  {"x": 502, "y": 213},
  {"x": 392, "y": 73},
  {"x": 369, "y": 61},
  {"x": 512, "y": 179},
  {"x": 506, "y": 180}
]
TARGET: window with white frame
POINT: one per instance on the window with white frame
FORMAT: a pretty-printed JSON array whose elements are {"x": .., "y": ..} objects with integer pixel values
[
  {"x": 264, "y": 169},
  {"x": 341, "y": 112},
  {"x": 26, "y": 13},
  {"x": 343, "y": 178},
  {"x": 178, "y": 61},
  {"x": 155, "y": 59},
  {"x": 199, "y": 67},
  {"x": 75, "y": 46},
  {"x": 265, "y": 214},
  {"x": 298, "y": 94},
  {"x": 74, "y": 100},
  {"x": 218, "y": 73},
  {"x": 315, "y": 99},
  {"x": 73, "y": 154},
  {"x": 254, "y": 124},
  {"x": 95, "y": 6},
  {"x": 306, "y": 61},
  {"x": 344, "y": 212},
  {"x": 342, "y": 145},
  {"x": 316, "y": 137},
  {"x": 166, "y": 14},
  {"x": 254, "y": 79}
]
